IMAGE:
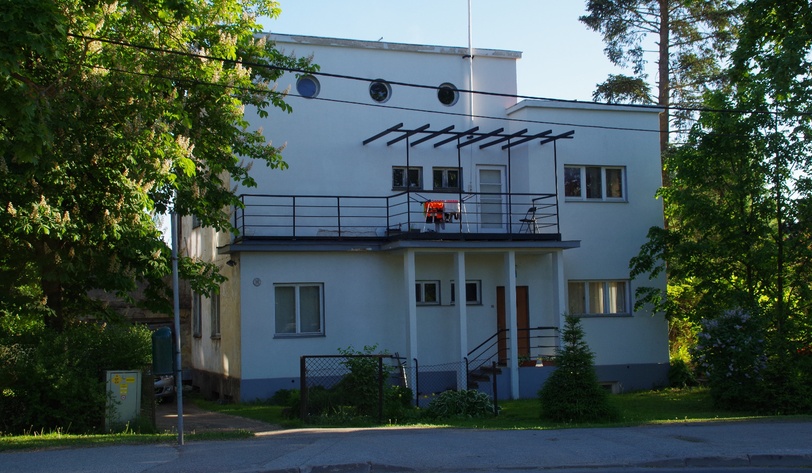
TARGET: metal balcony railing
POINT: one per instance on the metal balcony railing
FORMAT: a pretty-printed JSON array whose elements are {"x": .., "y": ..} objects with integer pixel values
[{"x": 401, "y": 215}]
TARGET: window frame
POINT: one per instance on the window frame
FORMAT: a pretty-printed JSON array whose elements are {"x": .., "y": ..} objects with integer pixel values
[
  {"x": 478, "y": 290},
  {"x": 445, "y": 187},
  {"x": 380, "y": 91},
  {"x": 214, "y": 314},
  {"x": 298, "y": 333},
  {"x": 405, "y": 186},
  {"x": 607, "y": 302},
  {"x": 604, "y": 184},
  {"x": 420, "y": 292},
  {"x": 443, "y": 92},
  {"x": 197, "y": 315},
  {"x": 312, "y": 81}
]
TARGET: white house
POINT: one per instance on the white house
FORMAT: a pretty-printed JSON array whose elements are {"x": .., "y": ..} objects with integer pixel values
[{"x": 400, "y": 184}]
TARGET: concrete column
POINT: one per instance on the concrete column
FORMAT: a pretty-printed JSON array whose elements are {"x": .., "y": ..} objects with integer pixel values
[
  {"x": 559, "y": 288},
  {"x": 512, "y": 321},
  {"x": 462, "y": 313},
  {"x": 411, "y": 304}
]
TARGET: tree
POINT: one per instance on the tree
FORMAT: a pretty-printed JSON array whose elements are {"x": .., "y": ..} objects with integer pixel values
[
  {"x": 572, "y": 393},
  {"x": 739, "y": 204},
  {"x": 691, "y": 37},
  {"x": 111, "y": 112}
]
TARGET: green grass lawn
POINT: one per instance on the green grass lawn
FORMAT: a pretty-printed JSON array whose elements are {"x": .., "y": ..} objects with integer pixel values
[{"x": 650, "y": 407}]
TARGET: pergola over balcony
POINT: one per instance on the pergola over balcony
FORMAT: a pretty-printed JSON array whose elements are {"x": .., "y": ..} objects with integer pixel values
[{"x": 414, "y": 214}]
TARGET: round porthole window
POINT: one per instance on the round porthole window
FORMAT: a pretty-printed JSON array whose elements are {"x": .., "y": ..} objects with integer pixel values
[
  {"x": 380, "y": 91},
  {"x": 308, "y": 86},
  {"x": 447, "y": 94}
]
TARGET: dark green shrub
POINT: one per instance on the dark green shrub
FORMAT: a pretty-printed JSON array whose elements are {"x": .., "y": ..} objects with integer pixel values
[
  {"x": 469, "y": 403},
  {"x": 398, "y": 403},
  {"x": 680, "y": 374},
  {"x": 731, "y": 353},
  {"x": 787, "y": 385},
  {"x": 293, "y": 404},
  {"x": 55, "y": 380},
  {"x": 360, "y": 387},
  {"x": 282, "y": 397},
  {"x": 572, "y": 393}
]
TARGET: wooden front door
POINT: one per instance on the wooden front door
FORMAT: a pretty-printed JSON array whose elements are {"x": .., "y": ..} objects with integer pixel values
[{"x": 523, "y": 322}]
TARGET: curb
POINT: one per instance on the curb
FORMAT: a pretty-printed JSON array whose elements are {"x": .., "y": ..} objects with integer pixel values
[{"x": 763, "y": 461}]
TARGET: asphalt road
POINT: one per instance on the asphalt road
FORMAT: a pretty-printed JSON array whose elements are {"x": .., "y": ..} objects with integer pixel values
[{"x": 746, "y": 446}]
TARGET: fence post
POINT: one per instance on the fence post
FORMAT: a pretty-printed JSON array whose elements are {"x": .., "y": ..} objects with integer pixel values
[
  {"x": 303, "y": 388},
  {"x": 380, "y": 389},
  {"x": 416, "y": 383},
  {"x": 495, "y": 396}
]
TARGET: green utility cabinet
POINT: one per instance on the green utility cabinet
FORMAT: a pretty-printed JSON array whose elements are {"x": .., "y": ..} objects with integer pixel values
[{"x": 123, "y": 398}]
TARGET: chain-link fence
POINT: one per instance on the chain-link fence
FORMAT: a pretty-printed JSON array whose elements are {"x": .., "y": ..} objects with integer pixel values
[
  {"x": 371, "y": 385},
  {"x": 351, "y": 385}
]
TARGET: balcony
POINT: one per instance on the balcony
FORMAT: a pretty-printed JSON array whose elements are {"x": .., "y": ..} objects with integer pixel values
[{"x": 401, "y": 216}]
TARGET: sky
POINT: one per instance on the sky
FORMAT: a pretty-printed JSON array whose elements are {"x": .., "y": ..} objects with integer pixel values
[{"x": 561, "y": 58}]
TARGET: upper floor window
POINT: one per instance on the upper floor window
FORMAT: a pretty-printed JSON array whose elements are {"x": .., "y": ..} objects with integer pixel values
[
  {"x": 214, "y": 312},
  {"x": 380, "y": 90},
  {"x": 299, "y": 309},
  {"x": 594, "y": 183},
  {"x": 308, "y": 86},
  {"x": 598, "y": 298},
  {"x": 197, "y": 327},
  {"x": 446, "y": 179},
  {"x": 447, "y": 94},
  {"x": 407, "y": 178}
]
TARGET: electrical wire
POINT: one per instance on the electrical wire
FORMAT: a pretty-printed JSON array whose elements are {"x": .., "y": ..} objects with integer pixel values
[{"x": 423, "y": 86}]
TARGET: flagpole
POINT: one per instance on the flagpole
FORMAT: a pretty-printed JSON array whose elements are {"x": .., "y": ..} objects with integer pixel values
[{"x": 470, "y": 65}]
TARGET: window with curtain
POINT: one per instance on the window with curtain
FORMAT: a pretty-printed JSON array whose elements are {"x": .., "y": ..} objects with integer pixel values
[
  {"x": 598, "y": 297},
  {"x": 299, "y": 309},
  {"x": 595, "y": 183}
]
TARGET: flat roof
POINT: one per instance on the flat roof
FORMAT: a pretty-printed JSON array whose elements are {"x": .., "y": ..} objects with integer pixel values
[
  {"x": 575, "y": 105},
  {"x": 385, "y": 45}
]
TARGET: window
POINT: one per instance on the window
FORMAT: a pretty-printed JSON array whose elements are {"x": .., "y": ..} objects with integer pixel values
[
  {"x": 197, "y": 329},
  {"x": 380, "y": 91},
  {"x": 215, "y": 315},
  {"x": 308, "y": 86},
  {"x": 407, "y": 178},
  {"x": 447, "y": 94},
  {"x": 598, "y": 298},
  {"x": 473, "y": 292},
  {"x": 299, "y": 309},
  {"x": 427, "y": 292},
  {"x": 446, "y": 179},
  {"x": 594, "y": 183}
]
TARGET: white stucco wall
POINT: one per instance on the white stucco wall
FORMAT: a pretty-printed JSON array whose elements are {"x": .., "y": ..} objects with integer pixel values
[
  {"x": 365, "y": 299},
  {"x": 366, "y": 170},
  {"x": 611, "y": 233}
]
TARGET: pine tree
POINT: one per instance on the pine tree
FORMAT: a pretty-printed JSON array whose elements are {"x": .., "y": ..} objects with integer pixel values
[{"x": 572, "y": 393}]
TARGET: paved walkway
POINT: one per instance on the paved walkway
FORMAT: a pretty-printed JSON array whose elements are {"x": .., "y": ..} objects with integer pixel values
[{"x": 196, "y": 420}]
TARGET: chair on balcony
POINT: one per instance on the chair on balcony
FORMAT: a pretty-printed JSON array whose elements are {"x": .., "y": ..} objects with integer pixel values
[{"x": 529, "y": 221}]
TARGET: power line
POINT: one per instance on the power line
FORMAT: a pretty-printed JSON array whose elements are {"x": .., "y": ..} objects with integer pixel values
[
  {"x": 374, "y": 105},
  {"x": 423, "y": 86}
]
